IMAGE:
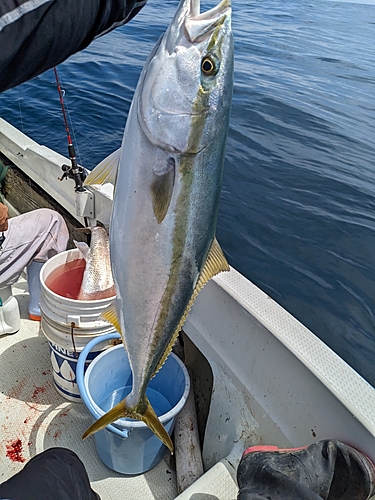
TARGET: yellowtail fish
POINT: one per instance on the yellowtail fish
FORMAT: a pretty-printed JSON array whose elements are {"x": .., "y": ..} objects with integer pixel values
[
  {"x": 97, "y": 282},
  {"x": 167, "y": 190}
]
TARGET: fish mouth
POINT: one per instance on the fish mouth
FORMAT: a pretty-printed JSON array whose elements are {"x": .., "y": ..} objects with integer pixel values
[
  {"x": 217, "y": 11},
  {"x": 194, "y": 25},
  {"x": 199, "y": 25}
]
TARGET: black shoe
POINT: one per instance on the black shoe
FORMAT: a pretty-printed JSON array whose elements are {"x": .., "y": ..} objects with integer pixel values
[{"x": 327, "y": 470}]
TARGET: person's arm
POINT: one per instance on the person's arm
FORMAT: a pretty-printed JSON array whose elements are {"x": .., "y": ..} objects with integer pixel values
[
  {"x": 3, "y": 217},
  {"x": 40, "y": 34}
]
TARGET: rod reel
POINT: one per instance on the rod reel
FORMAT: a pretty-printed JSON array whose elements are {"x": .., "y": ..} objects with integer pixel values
[{"x": 72, "y": 171}]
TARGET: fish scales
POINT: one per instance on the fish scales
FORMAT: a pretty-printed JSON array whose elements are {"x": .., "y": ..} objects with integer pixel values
[
  {"x": 97, "y": 281},
  {"x": 168, "y": 182}
]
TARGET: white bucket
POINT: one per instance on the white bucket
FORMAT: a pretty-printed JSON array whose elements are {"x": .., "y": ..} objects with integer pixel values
[{"x": 69, "y": 325}]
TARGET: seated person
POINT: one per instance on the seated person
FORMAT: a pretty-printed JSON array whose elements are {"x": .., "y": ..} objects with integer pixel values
[{"x": 30, "y": 240}]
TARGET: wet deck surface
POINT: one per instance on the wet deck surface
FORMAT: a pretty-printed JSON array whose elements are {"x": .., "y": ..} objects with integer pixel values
[{"x": 34, "y": 417}]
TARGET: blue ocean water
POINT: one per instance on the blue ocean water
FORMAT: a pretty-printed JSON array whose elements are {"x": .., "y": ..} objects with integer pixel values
[{"x": 297, "y": 214}]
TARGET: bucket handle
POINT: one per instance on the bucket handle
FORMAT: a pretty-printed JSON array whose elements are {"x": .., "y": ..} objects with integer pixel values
[{"x": 81, "y": 385}]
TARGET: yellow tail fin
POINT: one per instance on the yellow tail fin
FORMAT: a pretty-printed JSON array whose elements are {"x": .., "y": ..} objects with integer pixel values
[{"x": 143, "y": 411}]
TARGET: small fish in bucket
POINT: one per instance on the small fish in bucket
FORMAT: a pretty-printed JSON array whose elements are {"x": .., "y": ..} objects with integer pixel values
[
  {"x": 72, "y": 300},
  {"x": 97, "y": 282}
]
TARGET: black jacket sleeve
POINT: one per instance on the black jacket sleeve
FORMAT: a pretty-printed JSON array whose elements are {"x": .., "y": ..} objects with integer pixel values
[{"x": 36, "y": 35}]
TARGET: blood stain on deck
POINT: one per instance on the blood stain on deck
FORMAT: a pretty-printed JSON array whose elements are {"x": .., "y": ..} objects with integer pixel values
[
  {"x": 14, "y": 451},
  {"x": 57, "y": 434},
  {"x": 16, "y": 392},
  {"x": 37, "y": 391},
  {"x": 65, "y": 413}
]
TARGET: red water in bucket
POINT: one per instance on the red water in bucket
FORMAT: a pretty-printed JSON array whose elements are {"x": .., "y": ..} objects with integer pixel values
[
  {"x": 61, "y": 278},
  {"x": 66, "y": 279}
]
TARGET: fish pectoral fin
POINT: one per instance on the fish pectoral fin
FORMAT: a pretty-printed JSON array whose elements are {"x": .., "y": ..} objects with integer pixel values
[
  {"x": 152, "y": 421},
  {"x": 118, "y": 411},
  {"x": 143, "y": 411},
  {"x": 162, "y": 189},
  {"x": 105, "y": 171},
  {"x": 110, "y": 315},
  {"x": 83, "y": 248}
]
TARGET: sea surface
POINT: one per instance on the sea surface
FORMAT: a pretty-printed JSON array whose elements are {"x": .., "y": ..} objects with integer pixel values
[{"x": 297, "y": 213}]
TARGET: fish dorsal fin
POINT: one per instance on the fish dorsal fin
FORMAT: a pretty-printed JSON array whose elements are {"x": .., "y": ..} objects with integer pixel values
[
  {"x": 105, "y": 171},
  {"x": 83, "y": 248},
  {"x": 110, "y": 315},
  {"x": 162, "y": 189},
  {"x": 215, "y": 263}
]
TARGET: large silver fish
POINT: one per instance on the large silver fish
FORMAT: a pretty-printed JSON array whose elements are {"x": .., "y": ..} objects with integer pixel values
[
  {"x": 97, "y": 282},
  {"x": 162, "y": 231}
]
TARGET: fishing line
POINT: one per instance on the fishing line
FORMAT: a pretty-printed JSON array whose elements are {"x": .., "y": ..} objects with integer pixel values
[
  {"x": 20, "y": 110},
  {"x": 23, "y": 139}
]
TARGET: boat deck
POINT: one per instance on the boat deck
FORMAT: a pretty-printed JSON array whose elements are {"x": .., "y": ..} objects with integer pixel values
[
  {"x": 262, "y": 377},
  {"x": 35, "y": 417}
]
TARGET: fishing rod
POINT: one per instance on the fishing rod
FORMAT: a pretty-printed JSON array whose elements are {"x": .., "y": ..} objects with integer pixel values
[{"x": 73, "y": 171}]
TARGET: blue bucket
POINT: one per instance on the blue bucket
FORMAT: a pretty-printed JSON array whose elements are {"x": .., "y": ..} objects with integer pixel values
[{"x": 129, "y": 446}]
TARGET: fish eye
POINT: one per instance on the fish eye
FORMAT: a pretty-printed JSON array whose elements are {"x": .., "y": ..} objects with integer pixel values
[{"x": 209, "y": 66}]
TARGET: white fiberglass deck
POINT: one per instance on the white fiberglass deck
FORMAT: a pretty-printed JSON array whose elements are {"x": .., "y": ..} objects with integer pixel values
[{"x": 34, "y": 417}]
